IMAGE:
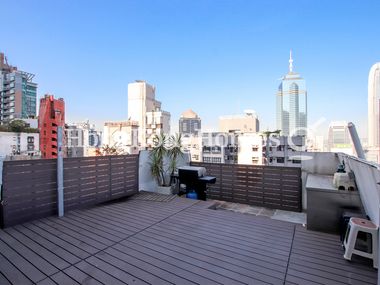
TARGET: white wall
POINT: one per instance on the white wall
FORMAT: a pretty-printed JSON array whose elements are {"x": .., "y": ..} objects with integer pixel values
[{"x": 146, "y": 180}]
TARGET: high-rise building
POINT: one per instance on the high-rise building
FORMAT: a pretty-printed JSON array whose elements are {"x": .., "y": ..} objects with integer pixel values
[
  {"x": 339, "y": 139},
  {"x": 248, "y": 122},
  {"x": 144, "y": 109},
  {"x": 82, "y": 139},
  {"x": 292, "y": 104},
  {"x": 189, "y": 123},
  {"x": 18, "y": 94},
  {"x": 374, "y": 113},
  {"x": 51, "y": 116}
]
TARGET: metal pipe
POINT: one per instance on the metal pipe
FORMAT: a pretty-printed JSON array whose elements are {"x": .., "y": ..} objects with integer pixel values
[
  {"x": 60, "y": 196},
  {"x": 356, "y": 141}
]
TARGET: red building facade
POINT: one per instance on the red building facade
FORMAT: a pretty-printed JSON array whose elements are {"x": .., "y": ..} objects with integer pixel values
[{"x": 51, "y": 116}]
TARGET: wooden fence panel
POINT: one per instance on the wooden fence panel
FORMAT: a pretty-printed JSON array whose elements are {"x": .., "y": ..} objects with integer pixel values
[
  {"x": 30, "y": 186},
  {"x": 273, "y": 187}
]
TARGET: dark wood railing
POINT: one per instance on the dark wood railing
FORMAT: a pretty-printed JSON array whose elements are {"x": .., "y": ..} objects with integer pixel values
[
  {"x": 30, "y": 186},
  {"x": 265, "y": 186}
]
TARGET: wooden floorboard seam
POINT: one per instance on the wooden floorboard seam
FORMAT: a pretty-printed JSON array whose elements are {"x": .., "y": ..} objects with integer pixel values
[{"x": 290, "y": 253}]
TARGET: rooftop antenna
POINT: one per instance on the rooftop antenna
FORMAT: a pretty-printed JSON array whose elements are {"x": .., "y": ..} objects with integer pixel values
[{"x": 290, "y": 62}]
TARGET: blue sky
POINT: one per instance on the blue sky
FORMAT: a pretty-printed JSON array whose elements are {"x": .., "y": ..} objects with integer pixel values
[{"x": 216, "y": 57}]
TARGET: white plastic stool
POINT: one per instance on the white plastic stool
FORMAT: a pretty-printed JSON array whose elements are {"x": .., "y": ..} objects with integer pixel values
[{"x": 355, "y": 226}]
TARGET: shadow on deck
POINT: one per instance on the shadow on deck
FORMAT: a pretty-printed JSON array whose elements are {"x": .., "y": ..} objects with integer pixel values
[{"x": 178, "y": 241}]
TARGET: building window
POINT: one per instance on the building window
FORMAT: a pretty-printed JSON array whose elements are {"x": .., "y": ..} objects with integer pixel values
[
  {"x": 216, "y": 149},
  {"x": 206, "y": 159},
  {"x": 280, "y": 160},
  {"x": 206, "y": 149},
  {"x": 216, "y": 160},
  {"x": 296, "y": 161},
  {"x": 30, "y": 139}
]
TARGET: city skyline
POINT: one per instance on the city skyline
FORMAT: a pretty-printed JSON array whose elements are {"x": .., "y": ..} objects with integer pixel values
[{"x": 229, "y": 59}]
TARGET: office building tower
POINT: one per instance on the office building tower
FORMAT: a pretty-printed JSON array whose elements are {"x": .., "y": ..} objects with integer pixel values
[
  {"x": 292, "y": 104},
  {"x": 18, "y": 93},
  {"x": 144, "y": 109},
  {"x": 51, "y": 116},
  {"x": 189, "y": 123},
  {"x": 247, "y": 122},
  {"x": 374, "y": 113}
]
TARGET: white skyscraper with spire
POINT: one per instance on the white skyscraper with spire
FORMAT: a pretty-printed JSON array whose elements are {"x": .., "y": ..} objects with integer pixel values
[
  {"x": 292, "y": 103},
  {"x": 374, "y": 113}
]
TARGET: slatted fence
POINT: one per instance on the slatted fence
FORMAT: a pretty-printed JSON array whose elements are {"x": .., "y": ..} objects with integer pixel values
[
  {"x": 265, "y": 186},
  {"x": 30, "y": 186}
]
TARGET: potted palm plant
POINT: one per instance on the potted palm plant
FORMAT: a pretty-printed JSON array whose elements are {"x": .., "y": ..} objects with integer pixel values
[{"x": 163, "y": 160}]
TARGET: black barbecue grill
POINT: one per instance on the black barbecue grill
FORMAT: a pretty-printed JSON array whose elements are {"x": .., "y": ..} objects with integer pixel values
[{"x": 195, "y": 179}]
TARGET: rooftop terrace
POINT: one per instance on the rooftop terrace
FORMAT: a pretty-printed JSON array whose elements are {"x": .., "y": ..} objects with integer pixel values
[{"x": 171, "y": 241}]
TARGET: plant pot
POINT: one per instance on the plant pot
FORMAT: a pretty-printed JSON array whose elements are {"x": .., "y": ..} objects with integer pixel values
[{"x": 167, "y": 190}]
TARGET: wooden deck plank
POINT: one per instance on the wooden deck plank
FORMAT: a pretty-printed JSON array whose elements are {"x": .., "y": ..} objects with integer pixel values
[
  {"x": 166, "y": 264},
  {"x": 208, "y": 269},
  {"x": 312, "y": 263},
  {"x": 137, "y": 216},
  {"x": 245, "y": 236},
  {"x": 58, "y": 245},
  {"x": 114, "y": 271},
  {"x": 81, "y": 277},
  {"x": 95, "y": 232},
  {"x": 46, "y": 281},
  {"x": 12, "y": 273},
  {"x": 21, "y": 264},
  {"x": 204, "y": 233},
  {"x": 78, "y": 233},
  {"x": 229, "y": 251},
  {"x": 140, "y": 268},
  {"x": 52, "y": 258},
  {"x": 24, "y": 250},
  {"x": 124, "y": 228},
  {"x": 179, "y": 241},
  {"x": 62, "y": 278},
  {"x": 213, "y": 266},
  {"x": 72, "y": 237},
  {"x": 98, "y": 274},
  {"x": 255, "y": 272},
  {"x": 3, "y": 280},
  {"x": 120, "y": 233}
]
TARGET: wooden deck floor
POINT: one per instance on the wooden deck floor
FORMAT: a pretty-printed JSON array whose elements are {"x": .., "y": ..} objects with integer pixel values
[{"x": 174, "y": 242}]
